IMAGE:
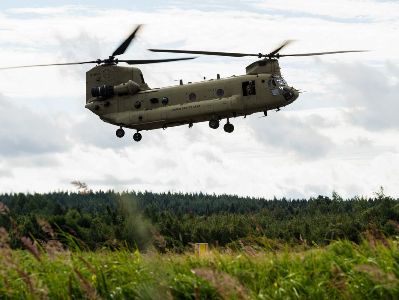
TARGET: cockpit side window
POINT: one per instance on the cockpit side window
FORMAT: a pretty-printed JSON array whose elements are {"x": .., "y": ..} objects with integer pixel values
[
  {"x": 272, "y": 83},
  {"x": 273, "y": 86}
]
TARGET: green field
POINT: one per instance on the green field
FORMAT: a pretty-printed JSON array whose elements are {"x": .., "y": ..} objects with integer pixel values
[
  {"x": 108, "y": 245},
  {"x": 341, "y": 270}
]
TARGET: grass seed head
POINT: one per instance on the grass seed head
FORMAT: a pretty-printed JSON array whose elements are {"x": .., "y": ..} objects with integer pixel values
[
  {"x": 46, "y": 227},
  {"x": 86, "y": 286},
  {"x": 31, "y": 247},
  {"x": 53, "y": 247},
  {"x": 4, "y": 239},
  {"x": 376, "y": 274},
  {"x": 4, "y": 210},
  {"x": 227, "y": 286}
]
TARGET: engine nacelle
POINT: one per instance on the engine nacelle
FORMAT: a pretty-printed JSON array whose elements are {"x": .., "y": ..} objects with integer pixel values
[
  {"x": 128, "y": 88},
  {"x": 107, "y": 91}
]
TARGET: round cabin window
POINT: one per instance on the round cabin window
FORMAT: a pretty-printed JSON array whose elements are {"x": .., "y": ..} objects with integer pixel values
[
  {"x": 137, "y": 104},
  {"x": 192, "y": 97},
  {"x": 165, "y": 100},
  {"x": 220, "y": 92}
]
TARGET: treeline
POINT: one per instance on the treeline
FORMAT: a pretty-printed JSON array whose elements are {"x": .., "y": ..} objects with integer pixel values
[{"x": 171, "y": 221}]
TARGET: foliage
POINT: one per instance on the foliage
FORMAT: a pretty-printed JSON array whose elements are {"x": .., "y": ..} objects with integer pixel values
[
  {"x": 342, "y": 270},
  {"x": 171, "y": 222}
]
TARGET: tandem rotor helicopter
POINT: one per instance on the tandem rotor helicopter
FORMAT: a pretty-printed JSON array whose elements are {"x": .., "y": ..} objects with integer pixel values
[{"x": 120, "y": 96}]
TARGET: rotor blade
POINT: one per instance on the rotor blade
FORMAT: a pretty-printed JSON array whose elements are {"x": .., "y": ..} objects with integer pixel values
[
  {"x": 48, "y": 65},
  {"x": 152, "y": 61},
  {"x": 274, "y": 52},
  {"x": 205, "y": 52},
  {"x": 122, "y": 48},
  {"x": 320, "y": 53}
]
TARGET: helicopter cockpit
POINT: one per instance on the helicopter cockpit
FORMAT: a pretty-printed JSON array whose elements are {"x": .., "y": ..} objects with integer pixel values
[
  {"x": 278, "y": 86},
  {"x": 276, "y": 82}
]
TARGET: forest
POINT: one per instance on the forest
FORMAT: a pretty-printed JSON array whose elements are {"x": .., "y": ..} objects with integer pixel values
[{"x": 172, "y": 222}]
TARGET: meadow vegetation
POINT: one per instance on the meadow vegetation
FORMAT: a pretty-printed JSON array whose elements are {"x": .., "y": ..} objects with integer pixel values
[
  {"x": 107, "y": 245},
  {"x": 341, "y": 270}
]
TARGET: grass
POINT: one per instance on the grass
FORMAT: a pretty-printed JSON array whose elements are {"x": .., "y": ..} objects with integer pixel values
[{"x": 341, "y": 270}]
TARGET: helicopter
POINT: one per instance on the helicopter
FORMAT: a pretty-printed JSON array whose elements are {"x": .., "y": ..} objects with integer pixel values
[{"x": 120, "y": 96}]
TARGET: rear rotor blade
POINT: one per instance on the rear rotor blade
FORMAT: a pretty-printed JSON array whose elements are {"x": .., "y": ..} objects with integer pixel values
[
  {"x": 151, "y": 61},
  {"x": 232, "y": 54},
  {"x": 320, "y": 53},
  {"x": 49, "y": 65},
  {"x": 122, "y": 48}
]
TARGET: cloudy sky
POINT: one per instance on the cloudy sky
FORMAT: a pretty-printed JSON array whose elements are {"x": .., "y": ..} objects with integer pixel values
[{"x": 340, "y": 135}]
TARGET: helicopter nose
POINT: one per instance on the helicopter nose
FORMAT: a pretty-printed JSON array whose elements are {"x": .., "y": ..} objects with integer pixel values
[
  {"x": 290, "y": 94},
  {"x": 295, "y": 93}
]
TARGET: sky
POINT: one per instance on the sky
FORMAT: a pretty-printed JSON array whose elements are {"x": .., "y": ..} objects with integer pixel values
[{"x": 340, "y": 135}]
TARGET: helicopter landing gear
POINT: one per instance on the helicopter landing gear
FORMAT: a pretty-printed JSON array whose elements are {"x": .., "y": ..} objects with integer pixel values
[
  {"x": 214, "y": 124},
  {"x": 137, "y": 136},
  {"x": 228, "y": 127},
  {"x": 120, "y": 132}
]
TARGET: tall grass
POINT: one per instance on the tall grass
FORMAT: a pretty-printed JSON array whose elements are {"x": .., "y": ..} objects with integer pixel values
[{"x": 341, "y": 270}]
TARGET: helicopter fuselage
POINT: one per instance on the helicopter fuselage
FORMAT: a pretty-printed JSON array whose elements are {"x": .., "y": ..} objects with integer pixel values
[
  {"x": 119, "y": 96},
  {"x": 195, "y": 102}
]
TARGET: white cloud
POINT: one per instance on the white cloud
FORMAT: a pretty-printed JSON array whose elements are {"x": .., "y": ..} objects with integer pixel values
[
  {"x": 23, "y": 132},
  {"x": 60, "y": 10},
  {"x": 263, "y": 157},
  {"x": 351, "y": 10}
]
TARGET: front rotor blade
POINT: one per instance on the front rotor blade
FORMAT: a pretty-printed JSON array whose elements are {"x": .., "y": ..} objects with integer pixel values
[
  {"x": 152, "y": 61},
  {"x": 122, "y": 48},
  {"x": 49, "y": 65},
  {"x": 205, "y": 52},
  {"x": 320, "y": 53},
  {"x": 274, "y": 52}
]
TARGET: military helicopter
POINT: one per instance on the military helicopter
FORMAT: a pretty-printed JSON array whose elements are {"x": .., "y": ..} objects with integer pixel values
[{"x": 120, "y": 96}]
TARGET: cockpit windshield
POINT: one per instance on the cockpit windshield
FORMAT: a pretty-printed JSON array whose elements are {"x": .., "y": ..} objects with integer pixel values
[
  {"x": 277, "y": 81},
  {"x": 280, "y": 81}
]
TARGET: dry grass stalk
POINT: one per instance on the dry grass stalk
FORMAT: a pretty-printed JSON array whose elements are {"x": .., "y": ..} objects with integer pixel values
[
  {"x": 36, "y": 292},
  {"x": 70, "y": 287},
  {"x": 90, "y": 291},
  {"x": 197, "y": 293},
  {"x": 250, "y": 251},
  {"x": 7, "y": 263},
  {"x": 375, "y": 237},
  {"x": 7, "y": 286},
  {"x": 26, "y": 278},
  {"x": 227, "y": 286},
  {"x": 376, "y": 274},
  {"x": 46, "y": 227},
  {"x": 53, "y": 247},
  {"x": 4, "y": 210},
  {"x": 338, "y": 279},
  {"x": 159, "y": 241},
  {"x": 88, "y": 265},
  {"x": 31, "y": 247},
  {"x": 4, "y": 239}
]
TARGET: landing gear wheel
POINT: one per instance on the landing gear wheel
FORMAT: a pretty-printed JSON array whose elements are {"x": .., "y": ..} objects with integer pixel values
[
  {"x": 137, "y": 136},
  {"x": 214, "y": 124},
  {"x": 120, "y": 132},
  {"x": 228, "y": 127}
]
